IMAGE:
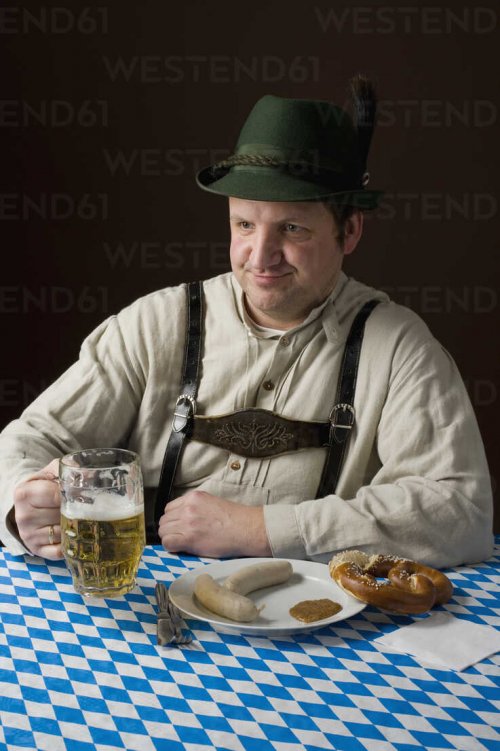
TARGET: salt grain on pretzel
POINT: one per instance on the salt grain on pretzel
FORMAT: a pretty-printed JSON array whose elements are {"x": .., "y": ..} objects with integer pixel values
[{"x": 411, "y": 587}]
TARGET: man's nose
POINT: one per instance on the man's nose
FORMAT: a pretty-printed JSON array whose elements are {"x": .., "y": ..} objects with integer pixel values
[{"x": 266, "y": 250}]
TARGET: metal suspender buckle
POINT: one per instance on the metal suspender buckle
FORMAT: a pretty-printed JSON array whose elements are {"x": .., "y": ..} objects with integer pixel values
[
  {"x": 181, "y": 419},
  {"x": 348, "y": 416}
]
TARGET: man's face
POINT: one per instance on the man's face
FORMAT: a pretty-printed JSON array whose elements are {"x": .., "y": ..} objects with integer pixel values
[{"x": 286, "y": 257}]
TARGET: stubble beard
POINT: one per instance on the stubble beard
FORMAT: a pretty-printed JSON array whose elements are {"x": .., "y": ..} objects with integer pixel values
[{"x": 285, "y": 307}]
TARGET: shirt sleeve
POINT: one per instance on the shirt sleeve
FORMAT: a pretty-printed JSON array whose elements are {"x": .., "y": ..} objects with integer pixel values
[
  {"x": 94, "y": 403},
  {"x": 431, "y": 498}
]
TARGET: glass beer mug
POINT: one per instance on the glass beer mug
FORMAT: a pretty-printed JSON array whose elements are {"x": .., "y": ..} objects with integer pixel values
[{"x": 102, "y": 519}]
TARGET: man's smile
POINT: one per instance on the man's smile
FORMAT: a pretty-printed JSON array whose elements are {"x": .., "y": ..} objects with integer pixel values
[{"x": 265, "y": 279}]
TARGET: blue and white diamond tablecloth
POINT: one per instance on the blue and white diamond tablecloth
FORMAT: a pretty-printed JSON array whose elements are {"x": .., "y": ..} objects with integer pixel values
[{"x": 76, "y": 676}]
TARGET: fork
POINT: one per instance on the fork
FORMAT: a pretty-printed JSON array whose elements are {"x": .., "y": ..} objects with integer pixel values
[{"x": 169, "y": 619}]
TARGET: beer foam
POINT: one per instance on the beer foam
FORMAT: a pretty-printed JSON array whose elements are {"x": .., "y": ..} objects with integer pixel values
[{"x": 104, "y": 507}]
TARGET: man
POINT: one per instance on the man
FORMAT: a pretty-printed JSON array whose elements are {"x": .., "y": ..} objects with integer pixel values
[{"x": 322, "y": 416}]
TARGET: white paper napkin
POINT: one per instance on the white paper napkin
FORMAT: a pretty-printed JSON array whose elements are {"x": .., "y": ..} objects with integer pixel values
[{"x": 441, "y": 640}]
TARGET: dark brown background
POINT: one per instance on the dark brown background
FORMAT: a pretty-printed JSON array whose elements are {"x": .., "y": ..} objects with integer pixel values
[{"x": 108, "y": 111}]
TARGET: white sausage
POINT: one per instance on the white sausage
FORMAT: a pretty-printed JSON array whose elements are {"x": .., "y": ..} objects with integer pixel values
[
  {"x": 222, "y": 601},
  {"x": 259, "y": 575}
]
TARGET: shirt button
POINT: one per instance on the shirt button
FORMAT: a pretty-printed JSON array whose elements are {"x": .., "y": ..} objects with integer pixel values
[
  {"x": 235, "y": 465},
  {"x": 268, "y": 385},
  {"x": 284, "y": 341}
]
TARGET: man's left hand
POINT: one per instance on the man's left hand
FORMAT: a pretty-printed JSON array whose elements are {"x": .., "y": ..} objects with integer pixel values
[{"x": 206, "y": 525}]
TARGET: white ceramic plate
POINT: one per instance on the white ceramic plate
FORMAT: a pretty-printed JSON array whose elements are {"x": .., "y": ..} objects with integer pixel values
[{"x": 309, "y": 581}]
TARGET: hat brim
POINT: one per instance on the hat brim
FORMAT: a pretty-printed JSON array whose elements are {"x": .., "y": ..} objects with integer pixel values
[{"x": 269, "y": 184}]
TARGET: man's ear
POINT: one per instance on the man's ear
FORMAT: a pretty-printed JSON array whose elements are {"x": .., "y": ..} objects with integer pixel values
[{"x": 353, "y": 231}]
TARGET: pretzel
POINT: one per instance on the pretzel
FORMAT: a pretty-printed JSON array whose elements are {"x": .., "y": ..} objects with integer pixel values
[{"x": 411, "y": 587}]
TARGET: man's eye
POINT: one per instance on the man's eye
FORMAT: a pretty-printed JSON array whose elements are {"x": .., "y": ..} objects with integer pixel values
[
  {"x": 245, "y": 225},
  {"x": 292, "y": 227}
]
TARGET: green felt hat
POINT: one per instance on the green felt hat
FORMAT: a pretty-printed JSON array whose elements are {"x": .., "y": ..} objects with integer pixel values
[{"x": 300, "y": 150}]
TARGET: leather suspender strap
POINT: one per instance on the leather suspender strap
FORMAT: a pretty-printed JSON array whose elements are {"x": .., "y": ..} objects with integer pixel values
[
  {"x": 185, "y": 407},
  {"x": 342, "y": 416}
]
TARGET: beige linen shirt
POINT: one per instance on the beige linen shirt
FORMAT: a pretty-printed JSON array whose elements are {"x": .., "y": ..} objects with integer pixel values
[{"x": 415, "y": 480}]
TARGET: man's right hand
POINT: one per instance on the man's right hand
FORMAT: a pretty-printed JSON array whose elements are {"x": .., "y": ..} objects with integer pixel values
[{"x": 37, "y": 510}]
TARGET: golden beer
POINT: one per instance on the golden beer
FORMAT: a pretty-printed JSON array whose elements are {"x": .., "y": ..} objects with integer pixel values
[
  {"x": 103, "y": 555},
  {"x": 102, "y": 519}
]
